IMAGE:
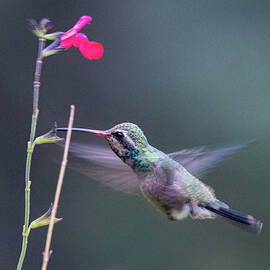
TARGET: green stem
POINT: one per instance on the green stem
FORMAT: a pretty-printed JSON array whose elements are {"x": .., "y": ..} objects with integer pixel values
[{"x": 30, "y": 149}]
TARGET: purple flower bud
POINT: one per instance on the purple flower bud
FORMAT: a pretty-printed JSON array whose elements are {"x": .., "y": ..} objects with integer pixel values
[{"x": 46, "y": 24}]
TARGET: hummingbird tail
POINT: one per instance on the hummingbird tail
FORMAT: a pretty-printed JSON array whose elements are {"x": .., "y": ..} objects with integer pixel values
[{"x": 246, "y": 221}]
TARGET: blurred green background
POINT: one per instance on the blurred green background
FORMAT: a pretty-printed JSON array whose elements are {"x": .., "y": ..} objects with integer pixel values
[{"x": 189, "y": 73}]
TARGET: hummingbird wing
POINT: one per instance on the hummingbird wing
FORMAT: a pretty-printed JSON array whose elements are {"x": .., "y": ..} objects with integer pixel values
[
  {"x": 199, "y": 160},
  {"x": 101, "y": 164}
]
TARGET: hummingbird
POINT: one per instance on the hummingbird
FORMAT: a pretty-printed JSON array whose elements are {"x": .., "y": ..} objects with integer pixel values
[{"x": 171, "y": 182}]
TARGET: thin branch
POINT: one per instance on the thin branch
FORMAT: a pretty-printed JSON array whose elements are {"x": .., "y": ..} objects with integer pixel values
[
  {"x": 30, "y": 149},
  {"x": 36, "y": 88},
  {"x": 47, "y": 252}
]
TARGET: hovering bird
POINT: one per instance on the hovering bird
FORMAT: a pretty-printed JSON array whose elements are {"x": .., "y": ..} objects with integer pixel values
[{"x": 169, "y": 181}]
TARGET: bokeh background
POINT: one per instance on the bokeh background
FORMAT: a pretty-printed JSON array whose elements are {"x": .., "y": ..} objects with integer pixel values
[{"x": 189, "y": 73}]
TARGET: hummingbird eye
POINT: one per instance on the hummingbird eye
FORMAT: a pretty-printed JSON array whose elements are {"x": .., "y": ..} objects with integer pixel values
[{"x": 118, "y": 135}]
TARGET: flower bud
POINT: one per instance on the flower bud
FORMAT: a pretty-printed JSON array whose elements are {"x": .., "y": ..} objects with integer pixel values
[
  {"x": 49, "y": 137},
  {"x": 45, "y": 25},
  {"x": 44, "y": 220}
]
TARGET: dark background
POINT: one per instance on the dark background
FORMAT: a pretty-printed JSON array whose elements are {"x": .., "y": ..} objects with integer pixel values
[{"x": 188, "y": 73}]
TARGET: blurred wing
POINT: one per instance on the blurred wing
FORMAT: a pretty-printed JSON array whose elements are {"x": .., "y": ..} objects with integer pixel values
[
  {"x": 101, "y": 164},
  {"x": 199, "y": 160}
]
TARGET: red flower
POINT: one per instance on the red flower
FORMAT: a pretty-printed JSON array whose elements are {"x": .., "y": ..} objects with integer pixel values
[{"x": 89, "y": 49}]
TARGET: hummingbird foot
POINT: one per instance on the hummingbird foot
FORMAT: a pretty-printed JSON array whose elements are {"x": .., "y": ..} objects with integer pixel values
[
  {"x": 201, "y": 213},
  {"x": 180, "y": 214},
  {"x": 194, "y": 211}
]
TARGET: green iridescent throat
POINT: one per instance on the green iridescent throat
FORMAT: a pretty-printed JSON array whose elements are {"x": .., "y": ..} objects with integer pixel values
[
  {"x": 138, "y": 163},
  {"x": 143, "y": 160}
]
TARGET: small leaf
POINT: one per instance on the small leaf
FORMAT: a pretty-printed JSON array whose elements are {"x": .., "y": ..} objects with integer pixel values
[{"x": 44, "y": 220}]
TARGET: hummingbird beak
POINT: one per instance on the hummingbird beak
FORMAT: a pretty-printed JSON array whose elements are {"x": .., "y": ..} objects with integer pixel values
[{"x": 94, "y": 131}]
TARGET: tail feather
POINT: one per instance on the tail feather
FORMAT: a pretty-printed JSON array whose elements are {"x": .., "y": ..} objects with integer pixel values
[{"x": 248, "y": 221}]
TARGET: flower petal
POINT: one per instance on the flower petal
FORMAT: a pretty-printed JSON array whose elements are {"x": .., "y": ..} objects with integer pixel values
[
  {"x": 91, "y": 49},
  {"x": 82, "y": 22},
  {"x": 67, "y": 43},
  {"x": 79, "y": 39},
  {"x": 77, "y": 27}
]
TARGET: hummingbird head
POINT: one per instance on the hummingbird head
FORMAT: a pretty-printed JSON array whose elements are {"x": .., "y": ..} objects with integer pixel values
[{"x": 125, "y": 139}]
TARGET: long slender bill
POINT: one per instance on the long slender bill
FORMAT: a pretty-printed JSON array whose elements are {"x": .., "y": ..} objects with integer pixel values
[{"x": 94, "y": 131}]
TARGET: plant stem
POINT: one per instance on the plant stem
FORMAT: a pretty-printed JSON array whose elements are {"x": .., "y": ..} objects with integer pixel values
[
  {"x": 30, "y": 149},
  {"x": 46, "y": 254}
]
